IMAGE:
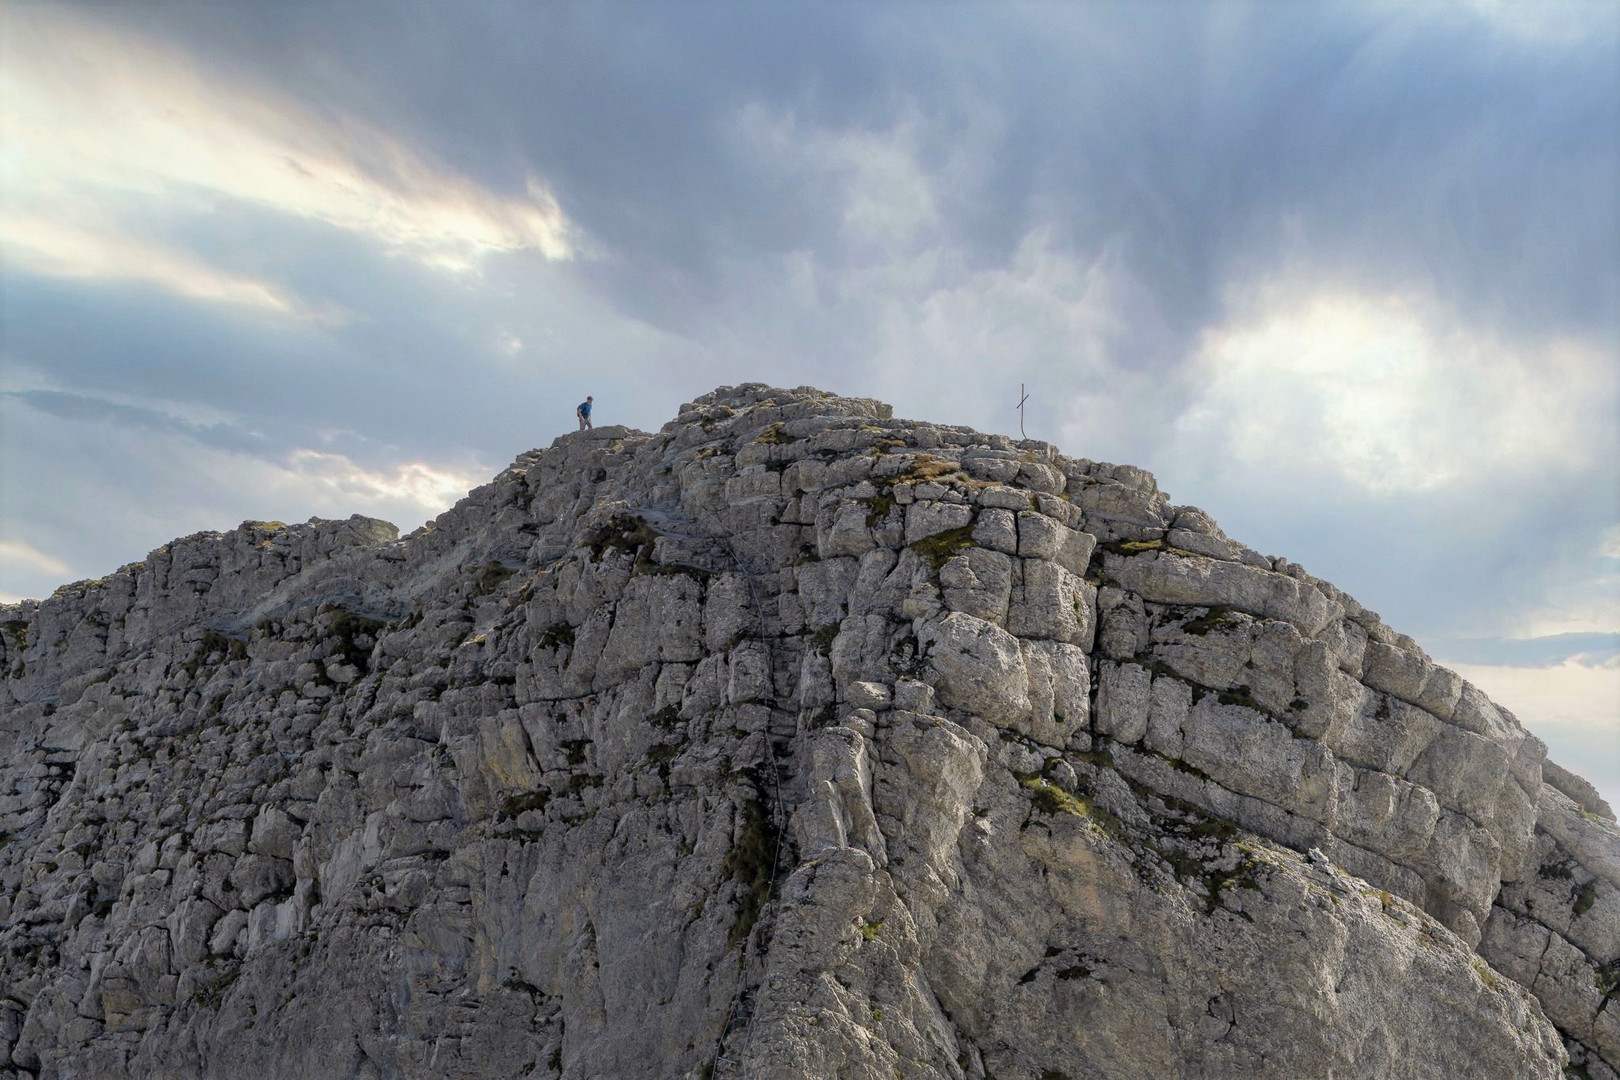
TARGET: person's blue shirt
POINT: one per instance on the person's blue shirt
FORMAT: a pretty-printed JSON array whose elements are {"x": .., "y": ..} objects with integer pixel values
[{"x": 585, "y": 408}]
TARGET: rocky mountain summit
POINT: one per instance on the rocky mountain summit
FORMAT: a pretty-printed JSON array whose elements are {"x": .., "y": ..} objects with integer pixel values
[{"x": 791, "y": 740}]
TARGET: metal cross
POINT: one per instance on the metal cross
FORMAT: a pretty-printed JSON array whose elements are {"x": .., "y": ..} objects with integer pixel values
[{"x": 1022, "y": 397}]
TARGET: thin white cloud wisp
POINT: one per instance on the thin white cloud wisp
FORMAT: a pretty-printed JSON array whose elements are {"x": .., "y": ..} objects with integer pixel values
[
  {"x": 22, "y": 565},
  {"x": 56, "y": 250},
  {"x": 1587, "y": 603},
  {"x": 14, "y": 552}
]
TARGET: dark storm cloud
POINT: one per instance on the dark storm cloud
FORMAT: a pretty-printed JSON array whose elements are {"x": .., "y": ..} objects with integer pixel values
[
  {"x": 1200, "y": 148},
  {"x": 1385, "y": 146}
]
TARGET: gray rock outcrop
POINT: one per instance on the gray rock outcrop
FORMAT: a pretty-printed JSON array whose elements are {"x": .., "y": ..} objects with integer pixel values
[{"x": 789, "y": 741}]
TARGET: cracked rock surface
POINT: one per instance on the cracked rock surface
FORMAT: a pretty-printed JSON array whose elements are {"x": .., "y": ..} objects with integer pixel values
[{"x": 792, "y": 740}]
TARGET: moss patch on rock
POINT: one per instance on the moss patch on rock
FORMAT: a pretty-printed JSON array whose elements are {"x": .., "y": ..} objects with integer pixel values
[
  {"x": 939, "y": 549},
  {"x": 627, "y": 533},
  {"x": 751, "y": 862}
]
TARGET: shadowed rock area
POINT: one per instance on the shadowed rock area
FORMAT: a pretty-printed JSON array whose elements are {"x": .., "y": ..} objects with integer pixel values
[{"x": 792, "y": 740}]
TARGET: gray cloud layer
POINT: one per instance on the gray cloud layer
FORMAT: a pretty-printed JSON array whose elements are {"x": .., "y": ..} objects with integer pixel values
[{"x": 1117, "y": 204}]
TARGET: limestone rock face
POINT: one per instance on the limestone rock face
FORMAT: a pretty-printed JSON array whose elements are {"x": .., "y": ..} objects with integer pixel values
[{"x": 789, "y": 741}]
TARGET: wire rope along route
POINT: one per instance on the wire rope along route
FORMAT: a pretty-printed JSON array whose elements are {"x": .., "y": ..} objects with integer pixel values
[{"x": 734, "y": 1013}]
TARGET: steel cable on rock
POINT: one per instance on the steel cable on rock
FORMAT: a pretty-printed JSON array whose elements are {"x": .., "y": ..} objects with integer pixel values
[{"x": 779, "y": 813}]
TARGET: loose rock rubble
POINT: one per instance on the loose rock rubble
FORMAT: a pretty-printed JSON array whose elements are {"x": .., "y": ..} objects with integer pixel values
[{"x": 789, "y": 741}]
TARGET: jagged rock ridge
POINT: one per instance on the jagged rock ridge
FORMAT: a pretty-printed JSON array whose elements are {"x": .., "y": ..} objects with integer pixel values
[{"x": 791, "y": 740}]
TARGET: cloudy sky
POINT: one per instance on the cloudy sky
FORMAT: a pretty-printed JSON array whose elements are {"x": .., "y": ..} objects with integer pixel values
[{"x": 1347, "y": 277}]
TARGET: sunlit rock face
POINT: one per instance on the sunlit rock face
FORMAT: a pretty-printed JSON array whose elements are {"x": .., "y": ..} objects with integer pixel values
[{"x": 792, "y": 740}]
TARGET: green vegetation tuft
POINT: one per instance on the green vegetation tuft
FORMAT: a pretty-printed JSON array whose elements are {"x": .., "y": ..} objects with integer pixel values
[
  {"x": 1100, "y": 758},
  {"x": 349, "y": 628},
  {"x": 940, "y": 548},
  {"x": 580, "y": 781},
  {"x": 751, "y": 862},
  {"x": 1607, "y": 978},
  {"x": 1218, "y": 617},
  {"x": 1176, "y": 763},
  {"x": 627, "y": 533},
  {"x": 18, "y": 629},
  {"x": 1131, "y": 547},
  {"x": 878, "y": 507},
  {"x": 1051, "y": 799},
  {"x": 1585, "y": 898},
  {"x": 215, "y": 648},
  {"x": 927, "y": 467},
  {"x": 775, "y": 436}
]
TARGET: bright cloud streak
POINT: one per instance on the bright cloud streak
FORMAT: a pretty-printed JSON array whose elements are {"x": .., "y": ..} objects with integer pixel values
[
  {"x": 14, "y": 552},
  {"x": 1382, "y": 392},
  {"x": 1573, "y": 692},
  {"x": 100, "y": 127},
  {"x": 24, "y": 568},
  {"x": 50, "y": 248},
  {"x": 1590, "y": 609},
  {"x": 332, "y": 479}
]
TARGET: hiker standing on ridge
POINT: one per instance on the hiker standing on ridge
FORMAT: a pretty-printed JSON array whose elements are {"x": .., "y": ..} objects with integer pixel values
[{"x": 584, "y": 412}]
